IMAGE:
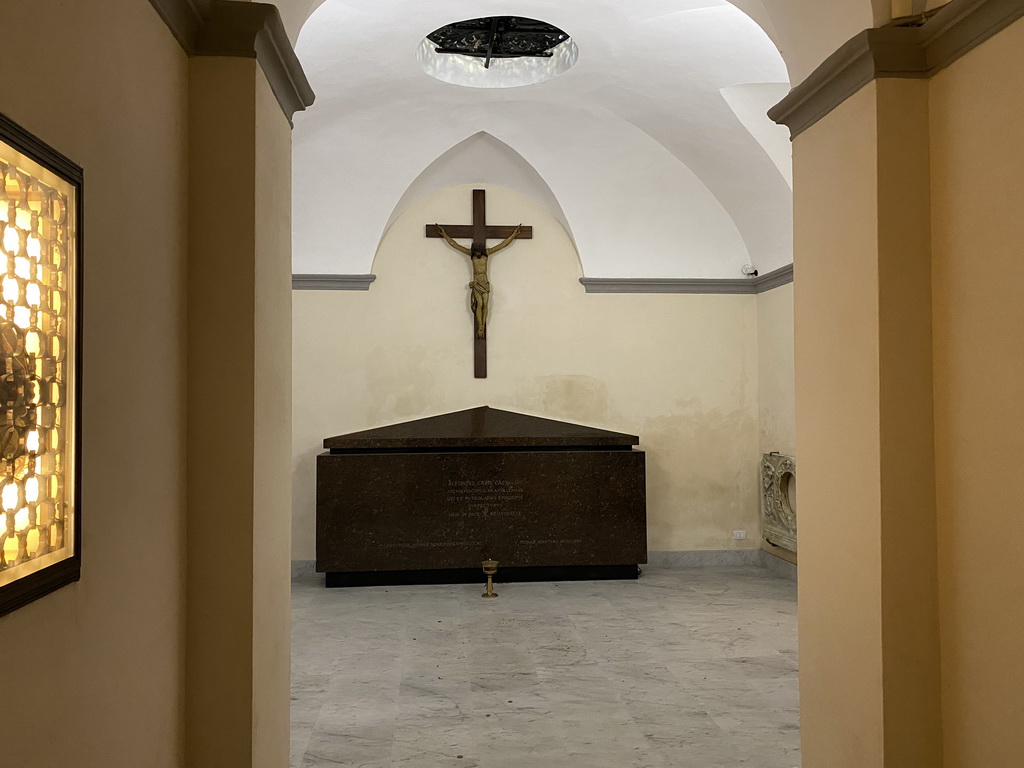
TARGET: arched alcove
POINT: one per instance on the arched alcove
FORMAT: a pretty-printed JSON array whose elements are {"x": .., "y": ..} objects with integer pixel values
[{"x": 481, "y": 159}]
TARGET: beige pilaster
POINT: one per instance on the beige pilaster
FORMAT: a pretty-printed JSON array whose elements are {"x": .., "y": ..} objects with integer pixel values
[
  {"x": 239, "y": 317},
  {"x": 869, "y": 667},
  {"x": 978, "y": 308}
]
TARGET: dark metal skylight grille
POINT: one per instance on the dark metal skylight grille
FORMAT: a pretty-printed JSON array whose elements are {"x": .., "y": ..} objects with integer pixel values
[{"x": 498, "y": 37}]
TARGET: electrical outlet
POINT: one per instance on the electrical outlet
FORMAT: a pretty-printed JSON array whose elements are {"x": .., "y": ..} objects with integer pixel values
[{"x": 739, "y": 534}]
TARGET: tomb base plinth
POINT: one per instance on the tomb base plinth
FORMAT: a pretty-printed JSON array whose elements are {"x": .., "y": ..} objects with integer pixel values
[{"x": 472, "y": 575}]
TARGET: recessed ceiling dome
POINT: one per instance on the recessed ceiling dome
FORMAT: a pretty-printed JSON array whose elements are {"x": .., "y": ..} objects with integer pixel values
[{"x": 497, "y": 52}]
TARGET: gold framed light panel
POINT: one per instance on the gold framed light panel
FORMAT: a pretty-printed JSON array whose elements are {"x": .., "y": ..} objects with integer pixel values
[{"x": 40, "y": 331}]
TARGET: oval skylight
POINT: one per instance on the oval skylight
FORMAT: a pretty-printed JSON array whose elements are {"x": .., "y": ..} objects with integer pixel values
[{"x": 497, "y": 52}]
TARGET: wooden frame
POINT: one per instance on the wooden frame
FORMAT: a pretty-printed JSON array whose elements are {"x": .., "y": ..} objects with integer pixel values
[{"x": 34, "y": 585}]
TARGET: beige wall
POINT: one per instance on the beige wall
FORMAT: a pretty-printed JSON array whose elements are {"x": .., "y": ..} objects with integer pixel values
[
  {"x": 775, "y": 388},
  {"x": 678, "y": 370},
  {"x": 776, "y": 401},
  {"x": 92, "y": 674},
  {"x": 96, "y": 672},
  {"x": 978, "y": 274}
]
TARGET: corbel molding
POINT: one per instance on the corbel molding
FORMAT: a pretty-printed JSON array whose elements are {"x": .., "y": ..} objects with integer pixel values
[
  {"x": 912, "y": 48},
  {"x": 962, "y": 25},
  {"x": 243, "y": 30},
  {"x": 725, "y": 285},
  {"x": 332, "y": 282},
  {"x": 184, "y": 18},
  {"x": 864, "y": 57}
]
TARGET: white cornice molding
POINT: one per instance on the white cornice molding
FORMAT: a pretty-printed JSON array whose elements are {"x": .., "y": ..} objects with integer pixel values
[
  {"x": 915, "y": 48},
  {"x": 748, "y": 285},
  {"x": 244, "y": 30},
  {"x": 332, "y": 282}
]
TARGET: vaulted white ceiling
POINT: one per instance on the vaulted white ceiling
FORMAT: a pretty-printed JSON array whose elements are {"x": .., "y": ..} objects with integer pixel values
[
  {"x": 654, "y": 147},
  {"x": 805, "y": 31}
]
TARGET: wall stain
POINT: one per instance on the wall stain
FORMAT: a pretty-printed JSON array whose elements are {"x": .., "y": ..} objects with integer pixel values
[
  {"x": 404, "y": 391},
  {"x": 573, "y": 397},
  {"x": 702, "y": 478}
]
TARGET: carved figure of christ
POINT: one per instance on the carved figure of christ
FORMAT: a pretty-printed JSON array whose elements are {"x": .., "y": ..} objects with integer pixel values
[{"x": 480, "y": 288}]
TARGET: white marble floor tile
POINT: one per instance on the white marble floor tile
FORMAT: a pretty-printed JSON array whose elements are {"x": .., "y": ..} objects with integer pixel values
[{"x": 684, "y": 668}]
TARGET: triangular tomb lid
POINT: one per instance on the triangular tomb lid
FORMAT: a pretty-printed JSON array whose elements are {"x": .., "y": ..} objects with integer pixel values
[{"x": 482, "y": 427}]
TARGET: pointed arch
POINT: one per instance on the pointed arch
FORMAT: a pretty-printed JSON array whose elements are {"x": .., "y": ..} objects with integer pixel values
[{"x": 481, "y": 159}]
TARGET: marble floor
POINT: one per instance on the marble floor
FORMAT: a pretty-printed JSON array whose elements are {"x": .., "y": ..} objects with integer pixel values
[{"x": 684, "y": 668}]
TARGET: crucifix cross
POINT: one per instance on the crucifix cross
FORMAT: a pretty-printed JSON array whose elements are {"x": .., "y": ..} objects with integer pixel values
[{"x": 479, "y": 233}]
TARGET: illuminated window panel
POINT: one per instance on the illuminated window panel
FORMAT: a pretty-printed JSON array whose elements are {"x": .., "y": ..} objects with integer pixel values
[{"x": 40, "y": 215}]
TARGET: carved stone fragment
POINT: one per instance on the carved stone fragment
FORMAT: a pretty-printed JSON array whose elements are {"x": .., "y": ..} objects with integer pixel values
[{"x": 778, "y": 500}]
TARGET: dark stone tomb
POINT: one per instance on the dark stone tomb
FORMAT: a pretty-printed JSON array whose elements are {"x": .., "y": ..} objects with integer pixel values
[{"x": 427, "y": 500}]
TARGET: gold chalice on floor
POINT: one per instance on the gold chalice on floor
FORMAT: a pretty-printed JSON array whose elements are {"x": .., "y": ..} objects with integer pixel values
[{"x": 490, "y": 568}]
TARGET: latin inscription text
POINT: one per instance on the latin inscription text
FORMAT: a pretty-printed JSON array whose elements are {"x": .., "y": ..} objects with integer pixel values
[{"x": 485, "y": 498}]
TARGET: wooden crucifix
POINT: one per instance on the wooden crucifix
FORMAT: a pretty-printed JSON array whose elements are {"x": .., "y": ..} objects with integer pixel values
[{"x": 479, "y": 233}]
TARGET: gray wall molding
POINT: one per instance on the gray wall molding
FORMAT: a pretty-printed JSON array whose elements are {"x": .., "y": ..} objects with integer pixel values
[
  {"x": 667, "y": 285},
  {"x": 720, "y": 558},
  {"x": 705, "y": 558},
  {"x": 243, "y": 30},
  {"x": 725, "y": 285},
  {"x": 332, "y": 282},
  {"x": 774, "y": 279},
  {"x": 779, "y": 567},
  {"x": 914, "y": 48}
]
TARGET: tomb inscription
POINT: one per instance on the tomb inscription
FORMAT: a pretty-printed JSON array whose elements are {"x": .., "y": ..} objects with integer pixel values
[{"x": 485, "y": 498}]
